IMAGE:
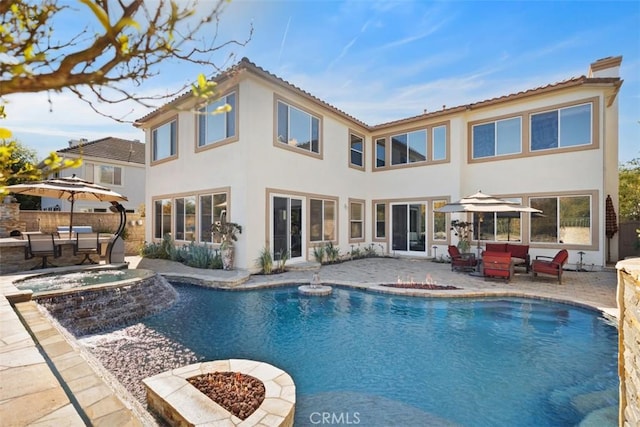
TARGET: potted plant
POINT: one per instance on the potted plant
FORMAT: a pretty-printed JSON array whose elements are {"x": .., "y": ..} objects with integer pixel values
[
  {"x": 463, "y": 231},
  {"x": 226, "y": 233}
]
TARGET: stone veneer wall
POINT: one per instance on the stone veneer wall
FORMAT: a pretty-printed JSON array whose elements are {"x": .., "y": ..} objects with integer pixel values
[
  {"x": 12, "y": 218},
  {"x": 629, "y": 341},
  {"x": 95, "y": 308}
]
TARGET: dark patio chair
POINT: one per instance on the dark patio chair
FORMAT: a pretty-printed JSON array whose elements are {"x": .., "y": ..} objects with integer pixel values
[
  {"x": 42, "y": 245},
  {"x": 87, "y": 244},
  {"x": 462, "y": 261},
  {"x": 552, "y": 266}
]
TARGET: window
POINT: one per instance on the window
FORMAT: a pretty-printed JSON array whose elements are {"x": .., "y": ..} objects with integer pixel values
[
  {"x": 356, "y": 220},
  {"x": 500, "y": 226},
  {"x": 439, "y": 145},
  {"x": 565, "y": 219},
  {"x": 381, "y": 221},
  {"x": 356, "y": 145},
  {"x": 110, "y": 175},
  {"x": 162, "y": 218},
  {"x": 497, "y": 138},
  {"x": 212, "y": 208},
  {"x": 322, "y": 220},
  {"x": 381, "y": 152},
  {"x": 565, "y": 127},
  {"x": 163, "y": 141},
  {"x": 439, "y": 221},
  {"x": 215, "y": 127},
  {"x": 409, "y": 147},
  {"x": 185, "y": 228},
  {"x": 297, "y": 128}
]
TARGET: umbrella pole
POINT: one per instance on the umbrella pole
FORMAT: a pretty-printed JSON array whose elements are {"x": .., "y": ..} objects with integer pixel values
[{"x": 72, "y": 200}]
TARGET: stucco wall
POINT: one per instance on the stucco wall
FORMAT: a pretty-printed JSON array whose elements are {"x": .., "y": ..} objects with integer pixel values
[
  {"x": 629, "y": 341},
  {"x": 253, "y": 167}
]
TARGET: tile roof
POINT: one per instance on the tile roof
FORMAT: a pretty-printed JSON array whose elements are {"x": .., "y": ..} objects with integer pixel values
[
  {"x": 245, "y": 64},
  {"x": 109, "y": 148}
]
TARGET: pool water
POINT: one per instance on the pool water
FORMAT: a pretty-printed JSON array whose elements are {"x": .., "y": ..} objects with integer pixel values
[
  {"x": 57, "y": 281},
  {"x": 377, "y": 360}
]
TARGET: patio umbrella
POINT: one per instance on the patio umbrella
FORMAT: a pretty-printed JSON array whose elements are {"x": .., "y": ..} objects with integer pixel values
[
  {"x": 70, "y": 188},
  {"x": 481, "y": 203},
  {"x": 611, "y": 223}
]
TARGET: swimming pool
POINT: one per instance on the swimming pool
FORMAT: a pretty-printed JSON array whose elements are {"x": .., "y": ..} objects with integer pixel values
[{"x": 372, "y": 359}]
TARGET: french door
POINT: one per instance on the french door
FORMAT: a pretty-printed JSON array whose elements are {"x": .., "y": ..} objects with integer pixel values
[
  {"x": 408, "y": 227},
  {"x": 287, "y": 227}
]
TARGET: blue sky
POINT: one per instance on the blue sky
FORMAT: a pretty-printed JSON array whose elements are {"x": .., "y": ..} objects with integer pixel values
[{"x": 385, "y": 60}]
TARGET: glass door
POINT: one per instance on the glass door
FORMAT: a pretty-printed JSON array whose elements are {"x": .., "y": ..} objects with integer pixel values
[
  {"x": 287, "y": 229},
  {"x": 408, "y": 227}
]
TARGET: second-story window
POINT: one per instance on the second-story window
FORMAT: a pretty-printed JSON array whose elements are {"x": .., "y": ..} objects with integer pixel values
[
  {"x": 111, "y": 175},
  {"x": 564, "y": 127},
  {"x": 409, "y": 147},
  {"x": 381, "y": 152},
  {"x": 439, "y": 143},
  {"x": 497, "y": 138},
  {"x": 215, "y": 125},
  {"x": 356, "y": 153},
  {"x": 164, "y": 141},
  {"x": 297, "y": 128}
]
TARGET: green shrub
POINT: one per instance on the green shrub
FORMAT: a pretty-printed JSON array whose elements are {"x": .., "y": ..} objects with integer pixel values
[
  {"x": 283, "y": 256},
  {"x": 333, "y": 252},
  {"x": 265, "y": 261},
  {"x": 318, "y": 254}
]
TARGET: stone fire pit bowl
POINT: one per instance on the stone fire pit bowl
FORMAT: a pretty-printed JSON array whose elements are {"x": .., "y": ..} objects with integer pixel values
[{"x": 171, "y": 396}]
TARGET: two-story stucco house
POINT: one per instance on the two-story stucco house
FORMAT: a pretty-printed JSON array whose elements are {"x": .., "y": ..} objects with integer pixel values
[
  {"x": 296, "y": 172},
  {"x": 112, "y": 162}
]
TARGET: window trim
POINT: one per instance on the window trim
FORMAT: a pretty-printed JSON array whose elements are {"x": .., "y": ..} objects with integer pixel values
[
  {"x": 558, "y": 110},
  {"x": 596, "y": 104},
  {"x": 336, "y": 219},
  {"x": 228, "y": 140},
  {"x": 113, "y": 184},
  {"x": 320, "y": 154},
  {"x": 595, "y": 220},
  {"x": 428, "y": 128},
  {"x": 154, "y": 222},
  {"x": 374, "y": 225},
  {"x": 152, "y": 161},
  {"x": 174, "y": 211},
  {"x": 197, "y": 194},
  {"x": 363, "y": 221},
  {"x": 351, "y": 133},
  {"x": 495, "y": 139}
]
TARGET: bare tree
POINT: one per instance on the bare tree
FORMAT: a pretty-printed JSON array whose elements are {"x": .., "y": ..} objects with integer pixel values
[{"x": 121, "y": 45}]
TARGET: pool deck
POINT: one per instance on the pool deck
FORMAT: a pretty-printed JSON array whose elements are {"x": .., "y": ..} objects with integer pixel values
[{"x": 47, "y": 380}]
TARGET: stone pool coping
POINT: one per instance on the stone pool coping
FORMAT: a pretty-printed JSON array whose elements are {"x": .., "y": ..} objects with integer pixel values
[{"x": 180, "y": 403}]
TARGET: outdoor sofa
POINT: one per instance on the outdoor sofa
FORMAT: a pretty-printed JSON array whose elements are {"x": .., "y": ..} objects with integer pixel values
[{"x": 519, "y": 253}]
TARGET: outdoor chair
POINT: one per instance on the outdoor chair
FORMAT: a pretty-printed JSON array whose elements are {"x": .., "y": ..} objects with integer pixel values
[
  {"x": 551, "y": 266},
  {"x": 41, "y": 245},
  {"x": 87, "y": 244},
  {"x": 462, "y": 261}
]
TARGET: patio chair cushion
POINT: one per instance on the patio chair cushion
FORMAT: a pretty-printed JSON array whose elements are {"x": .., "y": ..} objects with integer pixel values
[{"x": 497, "y": 264}]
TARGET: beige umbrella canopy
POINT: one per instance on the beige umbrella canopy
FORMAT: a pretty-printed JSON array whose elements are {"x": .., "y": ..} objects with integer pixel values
[
  {"x": 484, "y": 203},
  {"x": 481, "y": 202},
  {"x": 70, "y": 188}
]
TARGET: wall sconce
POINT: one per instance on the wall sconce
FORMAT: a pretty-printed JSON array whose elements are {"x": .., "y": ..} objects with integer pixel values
[{"x": 139, "y": 222}]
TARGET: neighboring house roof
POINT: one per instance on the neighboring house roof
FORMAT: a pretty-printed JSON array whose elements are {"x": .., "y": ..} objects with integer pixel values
[
  {"x": 247, "y": 65},
  {"x": 111, "y": 148}
]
